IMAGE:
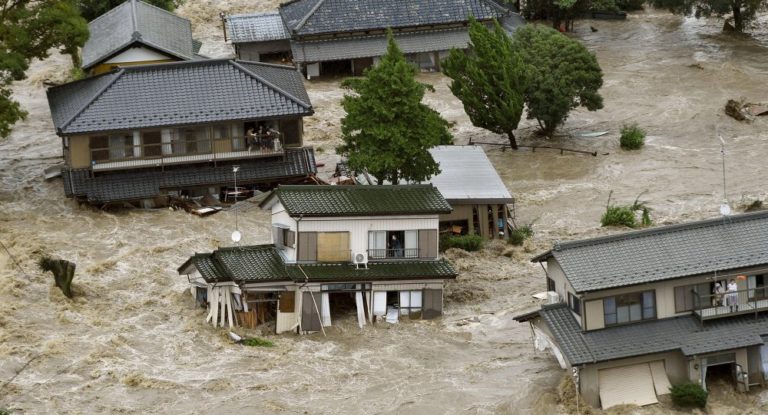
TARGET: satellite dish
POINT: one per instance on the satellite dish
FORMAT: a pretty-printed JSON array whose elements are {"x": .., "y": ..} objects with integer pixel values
[
  {"x": 236, "y": 236},
  {"x": 725, "y": 209}
]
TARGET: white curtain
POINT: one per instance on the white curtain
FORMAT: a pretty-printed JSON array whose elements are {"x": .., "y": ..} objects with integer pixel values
[
  {"x": 136, "y": 144},
  {"x": 166, "y": 137},
  {"x": 405, "y": 302},
  {"x": 379, "y": 303},
  {"x": 411, "y": 243},
  {"x": 360, "y": 309},
  {"x": 325, "y": 310}
]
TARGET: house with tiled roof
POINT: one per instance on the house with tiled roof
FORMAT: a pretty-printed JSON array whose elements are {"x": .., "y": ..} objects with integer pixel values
[
  {"x": 370, "y": 251},
  {"x": 139, "y": 133},
  {"x": 631, "y": 314},
  {"x": 137, "y": 33},
  {"x": 347, "y": 36}
]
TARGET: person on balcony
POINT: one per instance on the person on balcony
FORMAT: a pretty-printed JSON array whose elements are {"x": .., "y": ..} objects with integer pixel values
[
  {"x": 717, "y": 295},
  {"x": 732, "y": 295},
  {"x": 397, "y": 247},
  {"x": 250, "y": 138}
]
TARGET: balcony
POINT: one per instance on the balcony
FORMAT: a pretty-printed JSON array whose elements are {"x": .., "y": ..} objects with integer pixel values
[
  {"x": 389, "y": 254},
  {"x": 176, "y": 153},
  {"x": 707, "y": 307}
]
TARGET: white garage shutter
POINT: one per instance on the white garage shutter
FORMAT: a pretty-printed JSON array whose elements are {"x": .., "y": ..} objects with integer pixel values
[
  {"x": 660, "y": 379},
  {"x": 626, "y": 385}
]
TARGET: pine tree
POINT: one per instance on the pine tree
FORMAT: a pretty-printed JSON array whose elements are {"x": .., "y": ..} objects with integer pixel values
[
  {"x": 28, "y": 30},
  {"x": 490, "y": 80},
  {"x": 564, "y": 76},
  {"x": 388, "y": 130}
]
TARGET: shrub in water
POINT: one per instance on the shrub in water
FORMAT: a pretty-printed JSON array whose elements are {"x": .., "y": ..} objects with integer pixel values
[
  {"x": 632, "y": 137},
  {"x": 257, "y": 342},
  {"x": 469, "y": 243},
  {"x": 520, "y": 234},
  {"x": 619, "y": 216},
  {"x": 689, "y": 395}
]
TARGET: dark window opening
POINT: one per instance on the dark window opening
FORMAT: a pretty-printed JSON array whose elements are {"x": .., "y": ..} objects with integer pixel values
[{"x": 574, "y": 303}]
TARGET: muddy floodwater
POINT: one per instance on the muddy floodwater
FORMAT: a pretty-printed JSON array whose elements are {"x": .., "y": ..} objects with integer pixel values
[{"x": 132, "y": 341}]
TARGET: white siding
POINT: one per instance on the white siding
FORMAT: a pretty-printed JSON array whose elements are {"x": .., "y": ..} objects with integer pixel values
[
  {"x": 280, "y": 216},
  {"x": 562, "y": 286}
]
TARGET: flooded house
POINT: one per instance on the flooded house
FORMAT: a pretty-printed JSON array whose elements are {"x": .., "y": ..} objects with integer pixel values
[
  {"x": 144, "y": 133},
  {"x": 469, "y": 182},
  {"x": 347, "y": 36},
  {"x": 137, "y": 33},
  {"x": 366, "y": 251},
  {"x": 631, "y": 314}
]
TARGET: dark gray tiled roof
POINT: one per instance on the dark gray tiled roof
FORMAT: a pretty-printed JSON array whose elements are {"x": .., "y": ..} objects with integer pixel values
[
  {"x": 679, "y": 333},
  {"x": 264, "y": 263},
  {"x": 320, "y": 201},
  {"x": 185, "y": 93},
  {"x": 256, "y": 27},
  {"x": 367, "y": 46},
  {"x": 311, "y": 17},
  {"x": 148, "y": 183},
  {"x": 137, "y": 22},
  {"x": 665, "y": 252}
]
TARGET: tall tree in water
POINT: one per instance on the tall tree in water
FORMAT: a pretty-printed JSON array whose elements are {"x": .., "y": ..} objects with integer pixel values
[
  {"x": 564, "y": 76},
  {"x": 28, "y": 30},
  {"x": 92, "y": 9},
  {"x": 388, "y": 130},
  {"x": 742, "y": 11},
  {"x": 490, "y": 80}
]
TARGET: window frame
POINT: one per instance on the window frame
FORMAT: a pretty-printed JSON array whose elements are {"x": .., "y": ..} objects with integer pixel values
[
  {"x": 574, "y": 303},
  {"x": 615, "y": 300}
]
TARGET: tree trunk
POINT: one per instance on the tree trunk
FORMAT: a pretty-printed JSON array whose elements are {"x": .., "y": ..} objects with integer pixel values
[
  {"x": 512, "y": 140},
  {"x": 738, "y": 21}
]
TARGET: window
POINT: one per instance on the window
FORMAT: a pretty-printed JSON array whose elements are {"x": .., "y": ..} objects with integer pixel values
[
  {"x": 99, "y": 146},
  {"x": 551, "y": 284},
  {"x": 627, "y": 308},
  {"x": 120, "y": 146},
  {"x": 393, "y": 244},
  {"x": 287, "y": 301},
  {"x": 574, "y": 303},
  {"x": 284, "y": 236},
  {"x": 150, "y": 141},
  {"x": 685, "y": 296},
  {"x": 410, "y": 303}
]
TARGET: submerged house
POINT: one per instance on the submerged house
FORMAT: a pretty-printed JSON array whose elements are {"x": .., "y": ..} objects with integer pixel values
[
  {"x": 470, "y": 183},
  {"x": 137, "y": 33},
  {"x": 143, "y": 132},
  {"x": 347, "y": 36},
  {"x": 634, "y": 313},
  {"x": 367, "y": 250}
]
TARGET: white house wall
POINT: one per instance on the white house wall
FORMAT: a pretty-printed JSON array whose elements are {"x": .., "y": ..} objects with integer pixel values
[
  {"x": 139, "y": 54},
  {"x": 562, "y": 286},
  {"x": 281, "y": 217}
]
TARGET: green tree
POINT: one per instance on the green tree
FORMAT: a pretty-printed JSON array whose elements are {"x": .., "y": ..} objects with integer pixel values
[
  {"x": 387, "y": 129},
  {"x": 743, "y": 11},
  {"x": 28, "y": 30},
  {"x": 92, "y": 9},
  {"x": 564, "y": 76},
  {"x": 490, "y": 80}
]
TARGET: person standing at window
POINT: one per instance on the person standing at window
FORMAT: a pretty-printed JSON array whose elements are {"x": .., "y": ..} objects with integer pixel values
[
  {"x": 717, "y": 297},
  {"x": 397, "y": 247},
  {"x": 732, "y": 296}
]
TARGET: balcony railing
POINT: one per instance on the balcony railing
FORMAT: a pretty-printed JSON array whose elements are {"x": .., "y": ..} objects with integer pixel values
[
  {"x": 403, "y": 253},
  {"x": 730, "y": 303},
  {"x": 182, "y": 152}
]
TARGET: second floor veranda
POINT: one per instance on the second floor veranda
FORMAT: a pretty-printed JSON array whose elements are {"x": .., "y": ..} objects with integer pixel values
[{"x": 730, "y": 303}]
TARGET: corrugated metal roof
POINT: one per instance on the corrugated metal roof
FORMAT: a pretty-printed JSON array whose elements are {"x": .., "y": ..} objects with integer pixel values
[
  {"x": 368, "y": 46},
  {"x": 311, "y": 17},
  {"x": 321, "y": 201},
  {"x": 664, "y": 252},
  {"x": 184, "y": 93},
  {"x": 137, "y": 22},
  {"x": 256, "y": 27},
  {"x": 467, "y": 176},
  {"x": 678, "y": 333}
]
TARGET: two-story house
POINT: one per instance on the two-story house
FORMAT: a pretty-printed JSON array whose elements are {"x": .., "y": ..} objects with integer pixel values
[
  {"x": 634, "y": 313},
  {"x": 371, "y": 249},
  {"x": 140, "y": 133},
  {"x": 348, "y": 36},
  {"x": 137, "y": 33}
]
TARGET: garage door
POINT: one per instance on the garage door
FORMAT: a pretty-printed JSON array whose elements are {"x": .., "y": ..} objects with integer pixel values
[{"x": 626, "y": 385}]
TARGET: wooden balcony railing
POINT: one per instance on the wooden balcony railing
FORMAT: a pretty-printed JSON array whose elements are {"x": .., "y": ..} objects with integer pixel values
[
  {"x": 730, "y": 303},
  {"x": 182, "y": 152}
]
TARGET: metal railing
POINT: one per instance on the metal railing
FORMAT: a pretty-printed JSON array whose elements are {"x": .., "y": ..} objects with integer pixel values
[
  {"x": 402, "y": 253},
  {"x": 177, "y": 150},
  {"x": 751, "y": 300}
]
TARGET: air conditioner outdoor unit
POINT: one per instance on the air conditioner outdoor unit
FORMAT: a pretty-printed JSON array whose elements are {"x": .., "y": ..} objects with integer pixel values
[
  {"x": 553, "y": 297},
  {"x": 360, "y": 259}
]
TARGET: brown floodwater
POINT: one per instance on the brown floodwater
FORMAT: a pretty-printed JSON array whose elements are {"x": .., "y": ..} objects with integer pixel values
[{"x": 132, "y": 342}]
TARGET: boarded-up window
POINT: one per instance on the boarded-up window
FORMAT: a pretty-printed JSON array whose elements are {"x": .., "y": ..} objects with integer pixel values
[
  {"x": 307, "y": 246},
  {"x": 287, "y": 302},
  {"x": 433, "y": 303},
  {"x": 310, "y": 319},
  {"x": 428, "y": 243},
  {"x": 333, "y": 246}
]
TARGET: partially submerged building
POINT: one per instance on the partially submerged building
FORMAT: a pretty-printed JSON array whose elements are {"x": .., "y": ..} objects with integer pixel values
[
  {"x": 143, "y": 132},
  {"x": 137, "y": 33},
  {"x": 368, "y": 250},
  {"x": 347, "y": 36},
  {"x": 469, "y": 182},
  {"x": 634, "y": 313}
]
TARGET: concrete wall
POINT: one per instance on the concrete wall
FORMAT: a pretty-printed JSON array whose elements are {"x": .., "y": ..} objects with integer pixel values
[{"x": 675, "y": 364}]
